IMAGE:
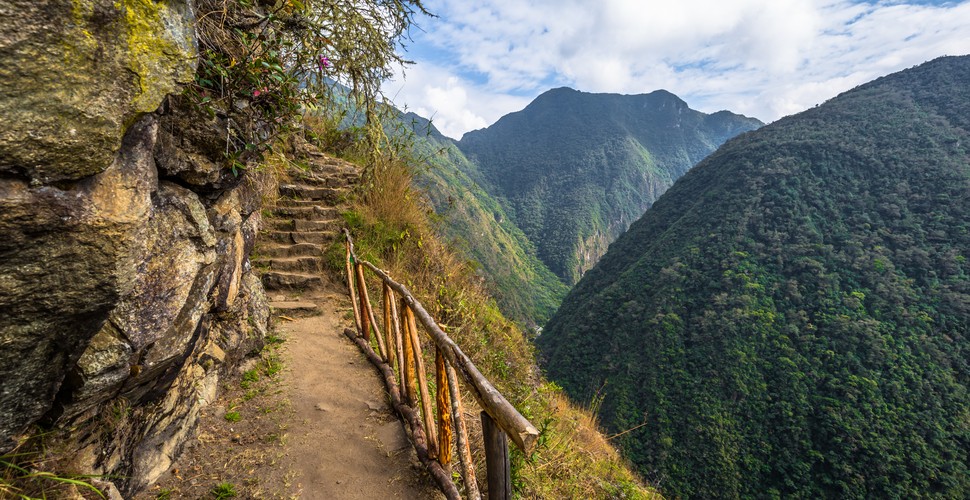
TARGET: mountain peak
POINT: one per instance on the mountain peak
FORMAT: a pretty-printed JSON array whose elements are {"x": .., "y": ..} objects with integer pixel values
[
  {"x": 791, "y": 316},
  {"x": 601, "y": 158}
]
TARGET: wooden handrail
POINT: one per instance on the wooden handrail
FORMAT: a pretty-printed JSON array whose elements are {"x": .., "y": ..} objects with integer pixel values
[
  {"x": 519, "y": 429},
  {"x": 440, "y": 476},
  {"x": 400, "y": 343}
]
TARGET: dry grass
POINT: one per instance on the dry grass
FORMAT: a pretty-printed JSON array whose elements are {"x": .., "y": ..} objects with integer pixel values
[
  {"x": 392, "y": 227},
  {"x": 39, "y": 467},
  {"x": 265, "y": 179}
]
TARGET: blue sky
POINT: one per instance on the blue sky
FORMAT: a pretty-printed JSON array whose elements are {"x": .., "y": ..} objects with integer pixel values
[{"x": 481, "y": 59}]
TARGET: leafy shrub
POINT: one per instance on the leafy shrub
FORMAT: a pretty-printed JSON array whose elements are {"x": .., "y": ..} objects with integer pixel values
[{"x": 263, "y": 62}]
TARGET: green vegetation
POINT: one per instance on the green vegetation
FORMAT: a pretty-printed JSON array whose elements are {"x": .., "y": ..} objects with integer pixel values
[
  {"x": 547, "y": 189},
  {"x": 25, "y": 473},
  {"x": 393, "y": 229},
  {"x": 573, "y": 170},
  {"x": 477, "y": 225},
  {"x": 251, "y": 375},
  {"x": 223, "y": 490},
  {"x": 233, "y": 416},
  {"x": 790, "y": 319},
  {"x": 263, "y": 63}
]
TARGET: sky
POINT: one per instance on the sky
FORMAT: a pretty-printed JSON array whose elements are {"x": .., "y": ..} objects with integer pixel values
[{"x": 479, "y": 60}]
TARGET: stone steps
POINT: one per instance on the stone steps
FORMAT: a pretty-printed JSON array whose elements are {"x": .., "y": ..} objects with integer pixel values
[
  {"x": 299, "y": 202},
  {"x": 339, "y": 180},
  {"x": 295, "y": 309},
  {"x": 293, "y": 237},
  {"x": 274, "y": 251},
  {"x": 279, "y": 280},
  {"x": 296, "y": 264},
  {"x": 330, "y": 195},
  {"x": 305, "y": 225},
  {"x": 329, "y": 167},
  {"x": 305, "y": 212}
]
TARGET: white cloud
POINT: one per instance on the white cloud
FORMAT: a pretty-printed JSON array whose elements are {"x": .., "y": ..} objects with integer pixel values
[
  {"x": 764, "y": 58},
  {"x": 454, "y": 105}
]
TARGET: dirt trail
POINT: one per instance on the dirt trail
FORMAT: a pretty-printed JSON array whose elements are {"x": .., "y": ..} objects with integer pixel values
[
  {"x": 344, "y": 442},
  {"x": 321, "y": 428},
  {"x": 308, "y": 419}
]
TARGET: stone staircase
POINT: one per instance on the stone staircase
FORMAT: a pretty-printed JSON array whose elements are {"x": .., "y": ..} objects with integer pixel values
[{"x": 306, "y": 220}]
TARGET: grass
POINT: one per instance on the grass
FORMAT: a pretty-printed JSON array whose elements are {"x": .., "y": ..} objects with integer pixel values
[
  {"x": 393, "y": 228},
  {"x": 272, "y": 365},
  {"x": 242, "y": 453},
  {"x": 223, "y": 490},
  {"x": 251, "y": 375},
  {"x": 32, "y": 470}
]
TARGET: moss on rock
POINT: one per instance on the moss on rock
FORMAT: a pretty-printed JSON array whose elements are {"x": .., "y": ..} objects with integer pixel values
[{"x": 77, "y": 73}]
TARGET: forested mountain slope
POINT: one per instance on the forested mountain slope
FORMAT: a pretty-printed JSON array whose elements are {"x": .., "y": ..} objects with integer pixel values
[
  {"x": 791, "y": 317},
  {"x": 574, "y": 169},
  {"x": 522, "y": 285}
]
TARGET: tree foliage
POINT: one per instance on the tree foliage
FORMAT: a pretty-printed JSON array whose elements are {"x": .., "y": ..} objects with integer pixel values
[
  {"x": 790, "y": 319},
  {"x": 263, "y": 62}
]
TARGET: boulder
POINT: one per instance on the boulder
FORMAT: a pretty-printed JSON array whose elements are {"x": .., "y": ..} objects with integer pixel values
[
  {"x": 77, "y": 73},
  {"x": 125, "y": 285},
  {"x": 65, "y": 260},
  {"x": 172, "y": 256},
  {"x": 192, "y": 146}
]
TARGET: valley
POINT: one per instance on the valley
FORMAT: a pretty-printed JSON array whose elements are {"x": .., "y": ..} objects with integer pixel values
[
  {"x": 790, "y": 318},
  {"x": 538, "y": 197}
]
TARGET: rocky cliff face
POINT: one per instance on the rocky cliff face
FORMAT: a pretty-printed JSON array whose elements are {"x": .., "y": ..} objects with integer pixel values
[{"x": 125, "y": 284}]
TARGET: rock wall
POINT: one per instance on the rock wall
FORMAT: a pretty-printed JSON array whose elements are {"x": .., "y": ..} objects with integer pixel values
[{"x": 125, "y": 285}]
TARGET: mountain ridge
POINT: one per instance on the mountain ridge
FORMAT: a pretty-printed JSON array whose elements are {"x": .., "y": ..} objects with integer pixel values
[
  {"x": 790, "y": 317},
  {"x": 573, "y": 169},
  {"x": 479, "y": 227},
  {"x": 482, "y": 220}
]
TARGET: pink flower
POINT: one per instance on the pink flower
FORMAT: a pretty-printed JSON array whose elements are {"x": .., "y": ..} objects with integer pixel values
[{"x": 323, "y": 63}]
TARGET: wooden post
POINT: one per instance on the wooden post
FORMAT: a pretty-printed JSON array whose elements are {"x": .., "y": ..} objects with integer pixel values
[
  {"x": 364, "y": 303},
  {"x": 381, "y": 348},
  {"x": 407, "y": 370},
  {"x": 443, "y": 399},
  {"x": 398, "y": 339},
  {"x": 521, "y": 431},
  {"x": 426, "y": 412},
  {"x": 442, "y": 477},
  {"x": 496, "y": 460},
  {"x": 461, "y": 436},
  {"x": 350, "y": 285},
  {"x": 388, "y": 300}
]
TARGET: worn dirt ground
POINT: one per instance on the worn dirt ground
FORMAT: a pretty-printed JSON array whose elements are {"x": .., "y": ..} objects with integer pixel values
[{"x": 318, "y": 428}]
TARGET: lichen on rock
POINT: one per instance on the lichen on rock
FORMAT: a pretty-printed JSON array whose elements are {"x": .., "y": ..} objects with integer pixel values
[
  {"x": 125, "y": 282},
  {"x": 77, "y": 73}
]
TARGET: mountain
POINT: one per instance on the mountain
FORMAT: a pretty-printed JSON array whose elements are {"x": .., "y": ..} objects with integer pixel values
[
  {"x": 574, "y": 169},
  {"x": 790, "y": 318},
  {"x": 524, "y": 288}
]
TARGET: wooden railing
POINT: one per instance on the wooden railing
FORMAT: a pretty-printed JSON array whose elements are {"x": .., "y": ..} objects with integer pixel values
[{"x": 433, "y": 433}]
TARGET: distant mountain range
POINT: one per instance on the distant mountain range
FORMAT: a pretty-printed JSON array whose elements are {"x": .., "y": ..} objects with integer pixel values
[
  {"x": 477, "y": 224},
  {"x": 574, "y": 169},
  {"x": 538, "y": 197},
  {"x": 790, "y": 319}
]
